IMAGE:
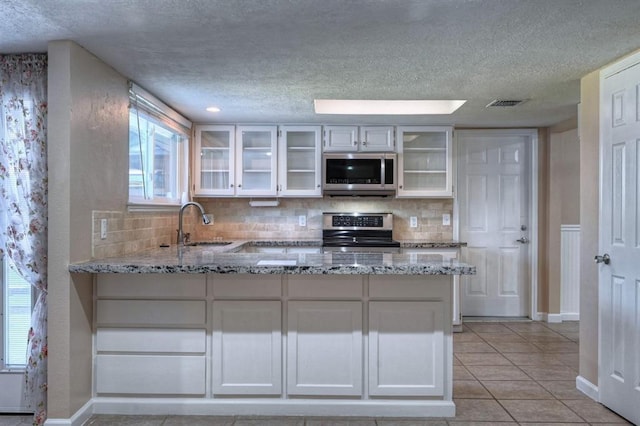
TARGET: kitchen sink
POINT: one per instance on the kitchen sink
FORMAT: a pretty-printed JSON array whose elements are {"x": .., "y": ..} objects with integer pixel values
[{"x": 209, "y": 243}]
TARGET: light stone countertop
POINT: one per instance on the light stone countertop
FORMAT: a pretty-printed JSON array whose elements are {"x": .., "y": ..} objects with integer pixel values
[{"x": 224, "y": 259}]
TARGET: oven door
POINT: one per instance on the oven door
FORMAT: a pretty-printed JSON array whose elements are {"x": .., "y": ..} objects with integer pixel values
[{"x": 359, "y": 174}]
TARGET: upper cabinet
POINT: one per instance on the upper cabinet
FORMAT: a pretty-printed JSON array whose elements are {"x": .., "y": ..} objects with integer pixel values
[
  {"x": 235, "y": 161},
  {"x": 299, "y": 161},
  {"x": 359, "y": 138},
  {"x": 215, "y": 160},
  {"x": 256, "y": 160},
  {"x": 425, "y": 161}
]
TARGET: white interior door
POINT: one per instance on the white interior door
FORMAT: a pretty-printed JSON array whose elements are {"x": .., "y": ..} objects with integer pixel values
[
  {"x": 493, "y": 199},
  {"x": 619, "y": 280}
]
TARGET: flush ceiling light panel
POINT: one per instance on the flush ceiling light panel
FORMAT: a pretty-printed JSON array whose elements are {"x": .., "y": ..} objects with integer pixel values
[{"x": 380, "y": 107}]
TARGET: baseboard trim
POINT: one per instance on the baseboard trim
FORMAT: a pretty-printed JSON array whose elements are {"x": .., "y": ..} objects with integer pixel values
[
  {"x": 570, "y": 316},
  {"x": 79, "y": 417},
  {"x": 272, "y": 407},
  {"x": 553, "y": 318},
  {"x": 588, "y": 388}
]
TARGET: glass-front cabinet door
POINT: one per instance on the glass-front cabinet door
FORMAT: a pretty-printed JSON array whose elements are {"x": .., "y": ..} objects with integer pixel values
[
  {"x": 256, "y": 161},
  {"x": 425, "y": 161},
  {"x": 299, "y": 164},
  {"x": 214, "y": 162}
]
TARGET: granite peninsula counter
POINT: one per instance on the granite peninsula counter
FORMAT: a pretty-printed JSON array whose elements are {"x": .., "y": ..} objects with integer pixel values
[{"x": 202, "y": 330}]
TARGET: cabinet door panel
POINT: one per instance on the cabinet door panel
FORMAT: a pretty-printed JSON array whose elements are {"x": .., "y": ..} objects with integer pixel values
[
  {"x": 150, "y": 374},
  {"x": 299, "y": 161},
  {"x": 324, "y": 348},
  {"x": 425, "y": 161},
  {"x": 376, "y": 138},
  {"x": 341, "y": 138},
  {"x": 406, "y": 348},
  {"x": 214, "y": 160},
  {"x": 247, "y": 349}
]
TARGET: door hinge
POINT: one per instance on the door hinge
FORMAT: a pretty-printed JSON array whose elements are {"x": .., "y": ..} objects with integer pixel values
[{"x": 279, "y": 133}]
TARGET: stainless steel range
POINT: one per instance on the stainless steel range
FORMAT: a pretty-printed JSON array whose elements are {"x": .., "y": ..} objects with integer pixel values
[{"x": 358, "y": 232}]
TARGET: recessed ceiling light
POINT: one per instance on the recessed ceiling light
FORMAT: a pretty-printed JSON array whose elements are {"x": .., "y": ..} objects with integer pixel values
[
  {"x": 213, "y": 109},
  {"x": 381, "y": 107}
]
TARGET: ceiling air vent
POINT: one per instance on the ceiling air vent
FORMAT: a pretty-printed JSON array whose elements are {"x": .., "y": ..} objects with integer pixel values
[{"x": 505, "y": 103}]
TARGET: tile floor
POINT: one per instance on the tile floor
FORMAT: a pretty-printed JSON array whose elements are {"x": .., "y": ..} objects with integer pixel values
[{"x": 505, "y": 373}]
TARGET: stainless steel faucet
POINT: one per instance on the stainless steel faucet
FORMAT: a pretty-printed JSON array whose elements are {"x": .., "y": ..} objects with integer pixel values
[{"x": 205, "y": 219}]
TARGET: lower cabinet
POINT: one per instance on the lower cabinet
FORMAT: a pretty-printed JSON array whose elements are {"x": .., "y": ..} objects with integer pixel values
[
  {"x": 246, "y": 347},
  {"x": 324, "y": 341},
  {"x": 348, "y": 337},
  {"x": 406, "y": 348}
]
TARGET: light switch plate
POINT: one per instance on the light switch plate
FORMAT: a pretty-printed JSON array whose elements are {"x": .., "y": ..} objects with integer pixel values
[
  {"x": 413, "y": 222},
  {"x": 302, "y": 220},
  {"x": 103, "y": 229},
  {"x": 446, "y": 219}
]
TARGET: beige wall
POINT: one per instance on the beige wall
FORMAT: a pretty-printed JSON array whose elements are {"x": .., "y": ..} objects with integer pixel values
[
  {"x": 88, "y": 149},
  {"x": 563, "y": 197},
  {"x": 589, "y": 184}
]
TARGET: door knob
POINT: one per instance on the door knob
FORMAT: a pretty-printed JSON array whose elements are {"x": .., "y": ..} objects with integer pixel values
[
  {"x": 523, "y": 240},
  {"x": 605, "y": 258}
]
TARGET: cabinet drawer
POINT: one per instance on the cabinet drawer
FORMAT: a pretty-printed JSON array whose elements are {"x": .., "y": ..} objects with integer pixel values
[
  {"x": 151, "y": 312},
  {"x": 152, "y": 285},
  {"x": 247, "y": 286},
  {"x": 150, "y": 340},
  {"x": 435, "y": 287},
  {"x": 325, "y": 286},
  {"x": 150, "y": 374}
]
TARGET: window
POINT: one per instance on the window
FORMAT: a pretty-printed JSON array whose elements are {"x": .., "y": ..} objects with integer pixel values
[
  {"x": 15, "y": 307},
  {"x": 158, "y": 151}
]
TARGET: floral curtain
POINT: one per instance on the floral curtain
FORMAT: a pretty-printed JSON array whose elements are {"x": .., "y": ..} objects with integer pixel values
[{"x": 23, "y": 200}]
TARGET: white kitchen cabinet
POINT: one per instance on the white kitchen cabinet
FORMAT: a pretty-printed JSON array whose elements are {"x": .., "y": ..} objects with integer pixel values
[
  {"x": 235, "y": 161},
  {"x": 299, "y": 161},
  {"x": 425, "y": 161},
  {"x": 359, "y": 138},
  {"x": 442, "y": 255},
  {"x": 215, "y": 160},
  {"x": 246, "y": 347},
  {"x": 256, "y": 161},
  {"x": 150, "y": 334},
  {"x": 406, "y": 343},
  {"x": 324, "y": 348}
]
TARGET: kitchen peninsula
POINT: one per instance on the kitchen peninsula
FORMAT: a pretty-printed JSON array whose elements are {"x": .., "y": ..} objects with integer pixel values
[{"x": 204, "y": 330}]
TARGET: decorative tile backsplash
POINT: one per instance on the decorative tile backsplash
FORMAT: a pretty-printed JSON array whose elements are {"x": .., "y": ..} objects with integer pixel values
[{"x": 234, "y": 218}]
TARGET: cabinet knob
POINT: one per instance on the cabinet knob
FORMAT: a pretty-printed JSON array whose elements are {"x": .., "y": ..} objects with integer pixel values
[
  {"x": 364, "y": 143},
  {"x": 318, "y": 186},
  {"x": 239, "y": 185},
  {"x": 231, "y": 186},
  {"x": 355, "y": 143},
  {"x": 400, "y": 187}
]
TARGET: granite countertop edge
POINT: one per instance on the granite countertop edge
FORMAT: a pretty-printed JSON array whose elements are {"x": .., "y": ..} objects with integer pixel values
[
  {"x": 413, "y": 269},
  {"x": 225, "y": 259}
]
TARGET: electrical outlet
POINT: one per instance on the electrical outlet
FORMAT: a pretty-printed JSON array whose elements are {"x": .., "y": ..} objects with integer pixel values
[
  {"x": 446, "y": 219},
  {"x": 413, "y": 222},
  {"x": 103, "y": 229},
  {"x": 302, "y": 220}
]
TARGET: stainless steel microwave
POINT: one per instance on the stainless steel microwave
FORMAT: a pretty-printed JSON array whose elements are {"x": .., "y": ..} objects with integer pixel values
[{"x": 354, "y": 173}]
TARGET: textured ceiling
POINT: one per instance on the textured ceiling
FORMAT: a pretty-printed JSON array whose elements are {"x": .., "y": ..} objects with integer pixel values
[{"x": 264, "y": 61}]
